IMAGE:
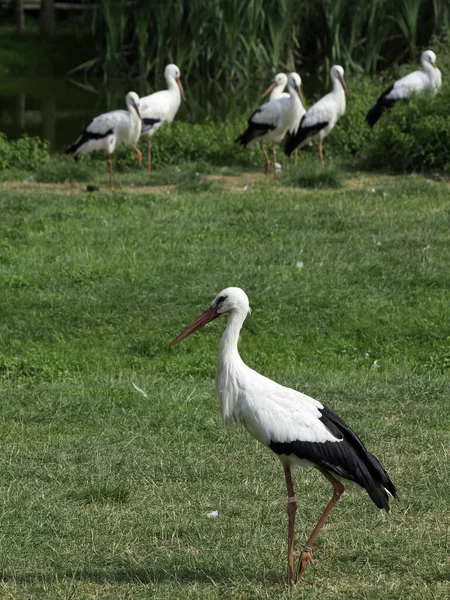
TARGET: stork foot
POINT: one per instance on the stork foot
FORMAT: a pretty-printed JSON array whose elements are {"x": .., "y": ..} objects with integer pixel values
[
  {"x": 304, "y": 560},
  {"x": 266, "y": 167}
]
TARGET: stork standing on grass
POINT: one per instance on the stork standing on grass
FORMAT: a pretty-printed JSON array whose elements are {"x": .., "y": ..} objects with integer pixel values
[
  {"x": 276, "y": 90},
  {"x": 319, "y": 120},
  {"x": 161, "y": 107},
  {"x": 271, "y": 121},
  {"x": 301, "y": 430},
  {"x": 430, "y": 79},
  {"x": 109, "y": 130}
]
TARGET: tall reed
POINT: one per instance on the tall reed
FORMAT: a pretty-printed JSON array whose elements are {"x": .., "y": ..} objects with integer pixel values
[{"x": 222, "y": 39}]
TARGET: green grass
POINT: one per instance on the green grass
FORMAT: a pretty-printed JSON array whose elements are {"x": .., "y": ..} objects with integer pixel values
[{"x": 105, "y": 492}]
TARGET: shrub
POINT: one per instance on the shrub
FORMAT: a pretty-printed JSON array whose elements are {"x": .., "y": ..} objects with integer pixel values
[
  {"x": 27, "y": 153},
  {"x": 413, "y": 135}
]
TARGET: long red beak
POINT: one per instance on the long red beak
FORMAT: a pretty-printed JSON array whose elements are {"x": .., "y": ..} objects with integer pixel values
[
  {"x": 178, "y": 80},
  {"x": 300, "y": 95},
  {"x": 136, "y": 108},
  {"x": 344, "y": 85},
  {"x": 271, "y": 87},
  {"x": 207, "y": 316}
]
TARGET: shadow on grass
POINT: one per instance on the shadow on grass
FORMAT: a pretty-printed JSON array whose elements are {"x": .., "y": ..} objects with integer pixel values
[{"x": 144, "y": 575}]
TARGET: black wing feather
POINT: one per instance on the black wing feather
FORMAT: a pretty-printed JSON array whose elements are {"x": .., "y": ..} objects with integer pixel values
[
  {"x": 346, "y": 458},
  {"x": 303, "y": 133},
  {"x": 254, "y": 130},
  {"x": 86, "y": 136},
  {"x": 380, "y": 106}
]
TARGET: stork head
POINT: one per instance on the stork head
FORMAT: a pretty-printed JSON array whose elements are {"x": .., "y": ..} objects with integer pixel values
[
  {"x": 295, "y": 82},
  {"x": 132, "y": 101},
  {"x": 280, "y": 80},
  {"x": 337, "y": 74},
  {"x": 229, "y": 300},
  {"x": 173, "y": 72},
  {"x": 428, "y": 58}
]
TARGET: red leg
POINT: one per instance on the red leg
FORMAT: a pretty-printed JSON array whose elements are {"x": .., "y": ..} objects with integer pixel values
[
  {"x": 320, "y": 153},
  {"x": 139, "y": 155},
  {"x": 266, "y": 159},
  {"x": 149, "y": 154},
  {"x": 110, "y": 171},
  {"x": 305, "y": 556},
  {"x": 296, "y": 157},
  {"x": 292, "y": 509},
  {"x": 274, "y": 158}
]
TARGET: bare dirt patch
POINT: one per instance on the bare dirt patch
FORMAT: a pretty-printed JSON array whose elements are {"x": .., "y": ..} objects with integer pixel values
[{"x": 80, "y": 188}]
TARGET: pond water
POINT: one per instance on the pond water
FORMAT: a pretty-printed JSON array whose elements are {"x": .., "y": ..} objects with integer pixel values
[{"x": 57, "y": 109}]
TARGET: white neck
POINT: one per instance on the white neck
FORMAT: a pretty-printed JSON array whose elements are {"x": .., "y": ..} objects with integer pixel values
[
  {"x": 295, "y": 99},
  {"x": 429, "y": 70},
  {"x": 230, "y": 367},
  {"x": 339, "y": 93},
  {"x": 136, "y": 125},
  {"x": 172, "y": 86}
]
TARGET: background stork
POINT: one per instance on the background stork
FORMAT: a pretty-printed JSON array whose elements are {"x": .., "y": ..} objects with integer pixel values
[
  {"x": 271, "y": 121},
  {"x": 319, "y": 120},
  {"x": 109, "y": 130},
  {"x": 430, "y": 79},
  {"x": 161, "y": 107},
  {"x": 302, "y": 431}
]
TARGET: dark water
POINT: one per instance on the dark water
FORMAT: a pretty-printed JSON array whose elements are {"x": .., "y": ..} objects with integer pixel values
[{"x": 58, "y": 109}]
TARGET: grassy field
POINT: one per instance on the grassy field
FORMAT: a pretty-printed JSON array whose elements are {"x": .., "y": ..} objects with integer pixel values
[{"x": 105, "y": 490}]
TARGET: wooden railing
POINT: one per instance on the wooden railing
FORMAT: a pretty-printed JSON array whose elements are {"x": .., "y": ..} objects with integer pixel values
[{"x": 36, "y": 5}]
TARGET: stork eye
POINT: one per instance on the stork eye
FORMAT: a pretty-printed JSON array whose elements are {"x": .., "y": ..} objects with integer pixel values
[{"x": 221, "y": 300}]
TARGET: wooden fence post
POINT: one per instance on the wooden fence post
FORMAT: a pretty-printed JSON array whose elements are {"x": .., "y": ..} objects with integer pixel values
[
  {"x": 20, "y": 16},
  {"x": 47, "y": 18}
]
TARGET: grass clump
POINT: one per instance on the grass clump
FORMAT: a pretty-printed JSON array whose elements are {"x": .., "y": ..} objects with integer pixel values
[
  {"x": 101, "y": 492},
  {"x": 63, "y": 168},
  {"x": 310, "y": 175}
]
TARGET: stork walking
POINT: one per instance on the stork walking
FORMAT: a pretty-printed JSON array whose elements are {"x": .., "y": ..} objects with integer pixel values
[
  {"x": 319, "y": 120},
  {"x": 271, "y": 121},
  {"x": 428, "y": 80},
  {"x": 161, "y": 107},
  {"x": 300, "y": 430},
  {"x": 109, "y": 130}
]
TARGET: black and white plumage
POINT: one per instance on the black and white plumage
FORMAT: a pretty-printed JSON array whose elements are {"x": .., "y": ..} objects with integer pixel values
[
  {"x": 272, "y": 120},
  {"x": 300, "y": 430},
  {"x": 161, "y": 107},
  {"x": 109, "y": 130},
  {"x": 428, "y": 80},
  {"x": 319, "y": 120}
]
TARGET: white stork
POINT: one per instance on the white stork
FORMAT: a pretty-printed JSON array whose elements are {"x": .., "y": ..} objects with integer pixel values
[
  {"x": 276, "y": 88},
  {"x": 300, "y": 430},
  {"x": 430, "y": 79},
  {"x": 109, "y": 130},
  {"x": 161, "y": 107},
  {"x": 271, "y": 121},
  {"x": 319, "y": 120}
]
